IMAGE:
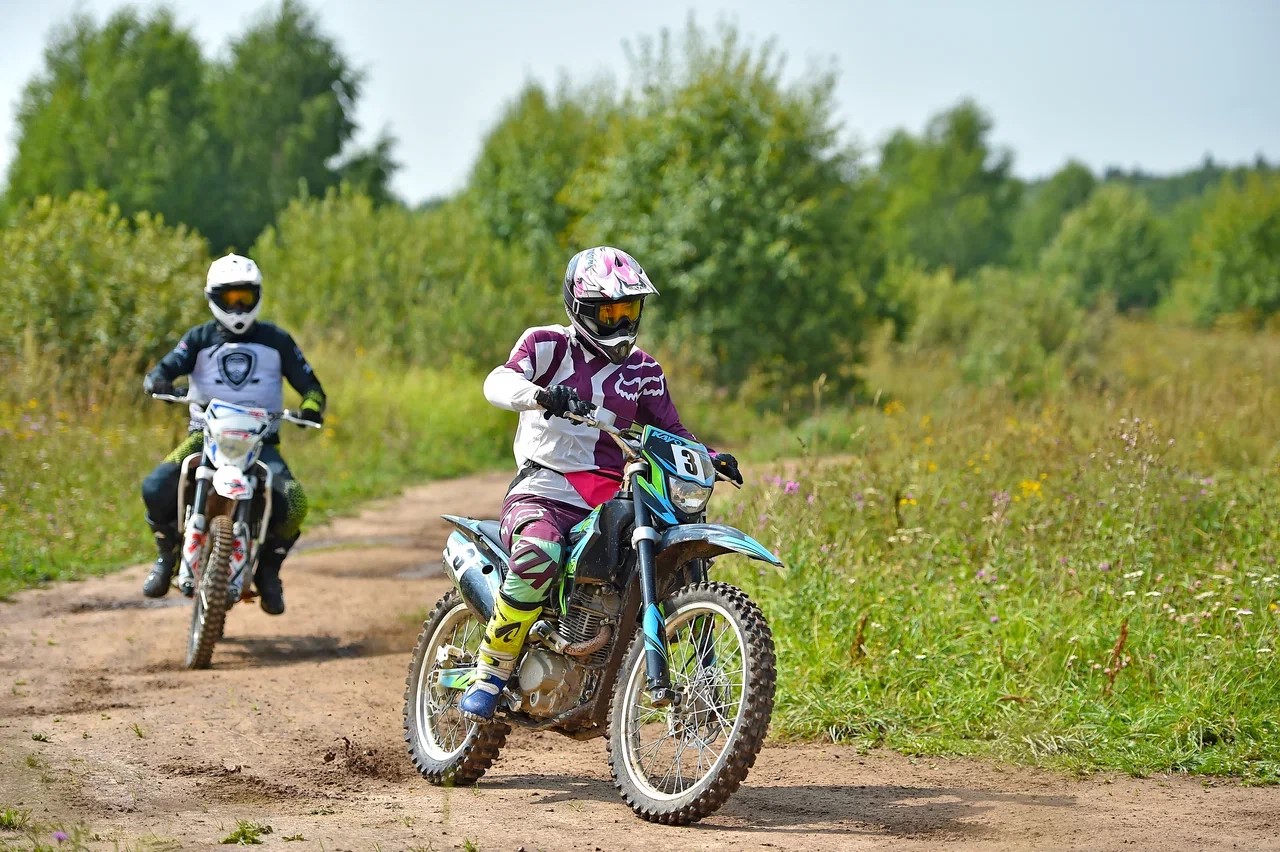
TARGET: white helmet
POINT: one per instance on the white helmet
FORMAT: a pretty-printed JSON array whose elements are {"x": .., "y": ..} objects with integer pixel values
[{"x": 234, "y": 290}]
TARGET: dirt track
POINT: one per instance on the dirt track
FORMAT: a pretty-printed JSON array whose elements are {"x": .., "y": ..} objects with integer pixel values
[{"x": 298, "y": 726}]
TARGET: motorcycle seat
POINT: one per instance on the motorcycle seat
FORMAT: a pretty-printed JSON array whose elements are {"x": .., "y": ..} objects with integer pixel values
[{"x": 490, "y": 531}]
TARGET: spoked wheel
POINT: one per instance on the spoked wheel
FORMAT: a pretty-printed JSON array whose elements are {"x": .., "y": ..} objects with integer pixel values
[
  {"x": 676, "y": 764},
  {"x": 447, "y": 749},
  {"x": 210, "y": 605}
]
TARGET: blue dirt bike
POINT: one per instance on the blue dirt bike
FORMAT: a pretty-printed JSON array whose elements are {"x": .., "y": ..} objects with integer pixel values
[{"x": 635, "y": 643}]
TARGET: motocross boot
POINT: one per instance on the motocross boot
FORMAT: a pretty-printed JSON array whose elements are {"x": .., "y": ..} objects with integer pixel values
[
  {"x": 168, "y": 543},
  {"x": 267, "y": 577},
  {"x": 503, "y": 639}
]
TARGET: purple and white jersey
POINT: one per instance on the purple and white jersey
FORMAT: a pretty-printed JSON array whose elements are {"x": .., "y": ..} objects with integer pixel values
[{"x": 633, "y": 392}]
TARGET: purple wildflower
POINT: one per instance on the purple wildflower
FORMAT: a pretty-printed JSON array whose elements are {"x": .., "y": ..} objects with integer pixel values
[
  {"x": 60, "y": 836},
  {"x": 995, "y": 619},
  {"x": 1104, "y": 566},
  {"x": 791, "y": 487},
  {"x": 810, "y": 499}
]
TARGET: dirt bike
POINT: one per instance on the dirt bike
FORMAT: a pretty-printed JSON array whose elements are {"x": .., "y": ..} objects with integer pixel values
[
  {"x": 635, "y": 643},
  {"x": 224, "y": 516}
]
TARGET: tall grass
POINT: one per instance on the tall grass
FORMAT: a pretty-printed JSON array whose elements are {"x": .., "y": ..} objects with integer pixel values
[{"x": 1088, "y": 580}]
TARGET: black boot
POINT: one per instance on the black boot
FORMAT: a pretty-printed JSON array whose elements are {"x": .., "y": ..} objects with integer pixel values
[
  {"x": 267, "y": 577},
  {"x": 168, "y": 544}
]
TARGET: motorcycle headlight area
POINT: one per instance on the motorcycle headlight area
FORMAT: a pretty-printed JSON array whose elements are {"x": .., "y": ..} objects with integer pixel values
[
  {"x": 235, "y": 445},
  {"x": 689, "y": 497}
]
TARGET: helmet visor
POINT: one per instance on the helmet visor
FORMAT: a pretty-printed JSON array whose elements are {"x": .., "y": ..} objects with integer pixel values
[
  {"x": 612, "y": 314},
  {"x": 236, "y": 299}
]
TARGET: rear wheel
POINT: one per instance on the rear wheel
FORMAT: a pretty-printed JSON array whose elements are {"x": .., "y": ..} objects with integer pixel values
[
  {"x": 447, "y": 749},
  {"x": 210, "y": 605},
  {"x": 676, "y": 764}
]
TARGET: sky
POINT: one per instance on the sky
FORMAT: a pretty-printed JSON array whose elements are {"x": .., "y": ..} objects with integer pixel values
[{"x": 1156, "y": 85}]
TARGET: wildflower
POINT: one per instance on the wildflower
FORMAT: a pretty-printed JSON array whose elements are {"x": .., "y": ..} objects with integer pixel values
[
  {"x": 908, "y": 500},
  {"x": 894, "y": 407},
  {"x": 60, "y": 836},
  {"x": 995, "y": 619},
  {"x": 1133, "y": 575},
  {"x": 931, "y": 467},
  {"x": 1104, "y": 566},
  {"x": 1030, "y": 488},
  {"x": 791, "y": 487},
  {"x": 810, "y": 499}
]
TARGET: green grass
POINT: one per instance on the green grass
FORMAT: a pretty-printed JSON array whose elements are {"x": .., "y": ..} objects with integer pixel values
[
  {"x": 13, "y": 819},
  {"x": 247, "y": 833},
  {"x": 1088, "y": 581}
]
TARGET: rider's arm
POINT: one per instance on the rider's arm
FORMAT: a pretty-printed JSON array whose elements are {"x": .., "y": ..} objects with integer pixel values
[
  {"x": 181, "y": 360},
  {"x": 515, "y": 384},
  {"x": 300, "y": 375}
]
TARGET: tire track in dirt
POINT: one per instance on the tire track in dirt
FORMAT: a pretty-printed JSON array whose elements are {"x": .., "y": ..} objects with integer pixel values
[{"x": 298, "y": 726}]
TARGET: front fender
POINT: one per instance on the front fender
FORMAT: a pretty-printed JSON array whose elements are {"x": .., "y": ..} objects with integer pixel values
[{"x": 696, "y": 541}]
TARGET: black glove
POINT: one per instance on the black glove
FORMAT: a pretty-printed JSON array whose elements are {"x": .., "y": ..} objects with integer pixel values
[
  {"x": 152, "y": 383},
  {"x": 560, "y": 400},
  {"x": 727, "y": 465},
  {"x": 311, "y": 415}
]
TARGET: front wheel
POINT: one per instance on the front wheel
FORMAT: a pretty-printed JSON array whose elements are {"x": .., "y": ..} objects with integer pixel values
[
  {"x": 676, "y": 764},
  {"x": 210, "y": 606},
  {"x": 447, "y": 749}
]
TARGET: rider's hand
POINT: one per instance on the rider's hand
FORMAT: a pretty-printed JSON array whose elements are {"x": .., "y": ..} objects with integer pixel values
[
  {"x": 560, "y": 400},
  {"x": 158, "y": 384},
  {"x": 311, "y": 415},
  {"x": 726, "y": 465}
]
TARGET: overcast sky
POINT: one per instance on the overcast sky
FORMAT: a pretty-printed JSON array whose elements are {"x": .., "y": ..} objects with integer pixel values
[{"x": 1126, "y": 82}]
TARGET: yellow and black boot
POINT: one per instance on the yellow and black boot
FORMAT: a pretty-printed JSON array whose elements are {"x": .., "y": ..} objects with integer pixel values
[{"x": 503, "y": 639}]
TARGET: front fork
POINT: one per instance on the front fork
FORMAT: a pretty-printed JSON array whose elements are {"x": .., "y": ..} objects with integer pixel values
[{"x": 658, "y": 676}]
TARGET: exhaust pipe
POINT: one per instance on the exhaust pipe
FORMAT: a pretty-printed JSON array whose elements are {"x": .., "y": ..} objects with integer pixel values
[{"x": 474, "y": 574}]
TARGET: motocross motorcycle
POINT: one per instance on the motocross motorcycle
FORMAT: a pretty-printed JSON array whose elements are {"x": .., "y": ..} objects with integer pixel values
[
  {"x": 224, "y": 499},
  {"x": 634, "y": 644}
]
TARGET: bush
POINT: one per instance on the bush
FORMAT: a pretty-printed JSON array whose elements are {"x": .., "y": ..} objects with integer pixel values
[
  {"x": 1112, "y": 246},
  {"x": 427, "y": 287},
  {"x": 84, "y": 286},
  {"x": 1234, "y": 267},
  {"x": 1013, "y": 330}
]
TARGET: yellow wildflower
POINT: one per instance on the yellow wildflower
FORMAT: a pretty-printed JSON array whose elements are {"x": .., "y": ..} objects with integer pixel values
[{"x": 894, "y": 407}]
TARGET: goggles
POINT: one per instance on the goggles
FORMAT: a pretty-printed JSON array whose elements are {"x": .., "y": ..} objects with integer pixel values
[
  {"x": 236, "y": 299},
  {"x": 610, "y": 314}
]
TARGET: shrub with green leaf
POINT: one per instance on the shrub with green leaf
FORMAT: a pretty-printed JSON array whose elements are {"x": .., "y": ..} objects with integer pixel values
[
  {"x": 84, "y": 286},
  {"x": 1112, "y": 246},
  {"x": 1234, "y": 265}
]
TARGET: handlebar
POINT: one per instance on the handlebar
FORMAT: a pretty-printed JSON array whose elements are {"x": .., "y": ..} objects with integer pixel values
[
  {"x": 286, "y": 415},
  {"x": 624, "y": 439}
]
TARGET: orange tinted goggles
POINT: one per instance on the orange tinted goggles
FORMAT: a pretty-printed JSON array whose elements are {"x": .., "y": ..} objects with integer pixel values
[
  {"x": 612, "y": 313},
  {"x": 236, "y": 298}
]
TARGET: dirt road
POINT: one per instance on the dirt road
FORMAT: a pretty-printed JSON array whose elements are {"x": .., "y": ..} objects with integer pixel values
[{"x": 298, "y": 726}]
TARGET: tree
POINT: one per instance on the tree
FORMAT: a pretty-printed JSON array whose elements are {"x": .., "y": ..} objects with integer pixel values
[
  {"x": 119, "y": 108},
  {"x": 286, "y": 101},
  {"x": 733, "y": 193},
  {"x": 950, "y": 196},
  {"x": 1044, "y": 208},
  {"x": 1234, "y": 266},
  {"x": 526, "y": 161},
  {"x": 1114, "y": 245}
]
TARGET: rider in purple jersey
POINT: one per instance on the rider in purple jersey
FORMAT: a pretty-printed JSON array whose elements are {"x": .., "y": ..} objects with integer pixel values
[{"x": 566, "y": 469}]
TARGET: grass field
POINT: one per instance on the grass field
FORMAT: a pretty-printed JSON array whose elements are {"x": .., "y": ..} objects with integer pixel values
[{"x": 1089, "y": 580}]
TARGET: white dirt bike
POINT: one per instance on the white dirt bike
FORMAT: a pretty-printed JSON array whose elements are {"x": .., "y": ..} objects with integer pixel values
[{"x": 224, "y": 514}]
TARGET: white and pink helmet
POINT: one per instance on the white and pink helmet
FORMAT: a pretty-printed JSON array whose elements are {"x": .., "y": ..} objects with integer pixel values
[{"x": 604, "y": 291}]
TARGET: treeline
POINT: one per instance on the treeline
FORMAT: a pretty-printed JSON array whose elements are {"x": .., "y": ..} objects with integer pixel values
[
  {"x": 779, "y": 250},
  {"x": 133, "y": 108}
]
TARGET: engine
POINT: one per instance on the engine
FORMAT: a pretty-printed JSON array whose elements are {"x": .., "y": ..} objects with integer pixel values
[
  {"x": 552, "y": 683},
  {"x": 592, "y": 608}
]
